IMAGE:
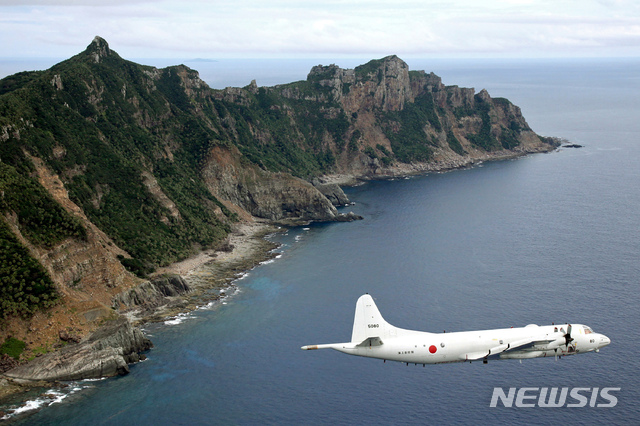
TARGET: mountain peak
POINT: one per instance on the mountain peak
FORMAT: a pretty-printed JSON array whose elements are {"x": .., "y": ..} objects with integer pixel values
[{"x": 99, "y": 48}]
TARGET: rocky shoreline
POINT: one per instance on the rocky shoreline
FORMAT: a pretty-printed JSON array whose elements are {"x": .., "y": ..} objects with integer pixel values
[
  {"x": 202, "y": 278},
  {"x": 209, "y": 274},
  {"x": 443, "y": 164}
]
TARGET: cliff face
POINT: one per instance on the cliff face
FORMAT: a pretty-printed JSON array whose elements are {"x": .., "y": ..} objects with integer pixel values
[
  {"x": 109, "y": 169},
  {"x": 274, "y": 196},
  {"x": 381, "y": 84},
  {"x": 401, "y": 120}
]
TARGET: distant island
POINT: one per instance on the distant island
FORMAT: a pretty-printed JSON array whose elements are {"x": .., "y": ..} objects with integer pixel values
[
  {"x": 201, "y": 60},
  {"x": 117, "y": 179}
]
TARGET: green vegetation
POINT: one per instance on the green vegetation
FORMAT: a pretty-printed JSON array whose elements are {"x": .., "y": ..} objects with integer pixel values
[
  {"x": 506, "y": 138},
  {"x": 41, "y": 350},
  {"x": 13, "y": 347},
  {"x": 136, "y": 266},
  {"x": 364, "y": 72},
  {"x": 292, "y": 132},
  {"x": 454, "y": 143},
  {"x": 411, "y": 143},
  {"x": 25, "y": 286},
  {"x": 322, "y": 73},
  {"x": 484, "y": 138},
  {"x": 42, "y": 221},
  {"x": 98, "y": 134},
  {"x": 16, "y": 81}
]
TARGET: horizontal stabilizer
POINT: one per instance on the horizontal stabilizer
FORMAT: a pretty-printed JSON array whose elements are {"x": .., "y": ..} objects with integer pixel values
[{"x": 371, "y": 341}]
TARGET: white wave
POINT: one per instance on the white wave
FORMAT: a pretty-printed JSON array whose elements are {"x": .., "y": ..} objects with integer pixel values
[
  {"x": 50, "y": 397},
  {"x": 28, "y": 406},
  {"x": 242, "y": 276},
  {"x": 273, "y": 259},
  {"x": 225, "y": 293},
  {"x": 178, "y": 319},
  {"x": 207, "y": 306}
]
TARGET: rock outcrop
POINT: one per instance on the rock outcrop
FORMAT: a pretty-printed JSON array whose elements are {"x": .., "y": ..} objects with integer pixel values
[
  {"x": 152, "y": 294},
  {"x": 105, "y": 353},
  {"x": 333, "y": 192},
  {"x": 278, "y": 197}
]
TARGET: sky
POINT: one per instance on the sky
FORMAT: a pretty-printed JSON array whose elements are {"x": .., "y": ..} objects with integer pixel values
[{"x": 325, "y": 28}]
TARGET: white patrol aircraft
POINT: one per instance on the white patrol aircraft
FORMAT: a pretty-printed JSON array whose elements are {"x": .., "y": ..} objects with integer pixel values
[{"x": 375, "y": 338}]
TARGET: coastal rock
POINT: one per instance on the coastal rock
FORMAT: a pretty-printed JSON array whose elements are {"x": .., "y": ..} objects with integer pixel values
[
  {"x": 105, "y": 353},
  {"x": 348, "y": 217},
  {"x": 383, "y": 84},
  {"x": 151, "y": 294},
  {"x": 333, "y": 192},
  {"x": 66, "y": 336},
  {"x": 7, "y": 363},
  {"x": 99, "y": 48}
]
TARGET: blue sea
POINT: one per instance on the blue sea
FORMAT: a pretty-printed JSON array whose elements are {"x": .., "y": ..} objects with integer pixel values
[{"x": 544, "y": 238}]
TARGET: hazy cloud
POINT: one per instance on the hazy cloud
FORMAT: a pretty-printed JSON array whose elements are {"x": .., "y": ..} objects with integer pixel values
[{"x": 169, "y": 28}]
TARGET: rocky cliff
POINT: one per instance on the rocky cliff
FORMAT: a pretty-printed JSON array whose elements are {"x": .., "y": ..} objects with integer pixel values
[
  {"x": 401, "y": 121},
  {"x": 275, "y": 196},
  {"x": 110, "y": 169},
  {"x": 104, "y": 353}
]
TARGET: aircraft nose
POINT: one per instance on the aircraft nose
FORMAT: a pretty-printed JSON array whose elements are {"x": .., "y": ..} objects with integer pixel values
[{"x": 604, "y": 341}]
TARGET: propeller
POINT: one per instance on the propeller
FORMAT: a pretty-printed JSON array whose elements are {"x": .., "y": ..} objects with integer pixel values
[{"x": 567, "y": 337}]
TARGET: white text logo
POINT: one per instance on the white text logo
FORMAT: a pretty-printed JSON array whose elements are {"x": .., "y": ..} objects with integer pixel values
[{"x": 555, "y": 397}]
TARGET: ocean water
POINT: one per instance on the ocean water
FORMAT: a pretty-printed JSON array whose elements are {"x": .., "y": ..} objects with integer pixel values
[{"x": 545, "y": 238}]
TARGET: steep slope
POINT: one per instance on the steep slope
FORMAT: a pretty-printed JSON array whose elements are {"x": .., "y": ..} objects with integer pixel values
[{"x": 124, "y": 143}]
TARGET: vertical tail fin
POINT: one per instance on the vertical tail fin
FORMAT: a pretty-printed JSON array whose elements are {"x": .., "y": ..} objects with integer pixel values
[{"x": 368, "y": 321}]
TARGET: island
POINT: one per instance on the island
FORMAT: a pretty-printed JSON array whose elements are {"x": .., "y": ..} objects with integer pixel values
[{"x": 119, "y": 180}]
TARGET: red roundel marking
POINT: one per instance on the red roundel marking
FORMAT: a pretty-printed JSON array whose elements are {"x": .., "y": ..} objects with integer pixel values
[{"x": 433, "y": 349}]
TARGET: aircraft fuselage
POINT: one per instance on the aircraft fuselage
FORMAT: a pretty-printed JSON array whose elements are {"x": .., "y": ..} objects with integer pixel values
[{"x": 375, "y": 338}]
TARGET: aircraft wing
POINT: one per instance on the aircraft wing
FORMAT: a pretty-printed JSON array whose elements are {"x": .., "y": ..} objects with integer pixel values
[{"x": 508, "y": 347}]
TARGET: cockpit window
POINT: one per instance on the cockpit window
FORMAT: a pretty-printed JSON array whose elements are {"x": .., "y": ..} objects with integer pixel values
[{"x": 587, "y": 330}]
